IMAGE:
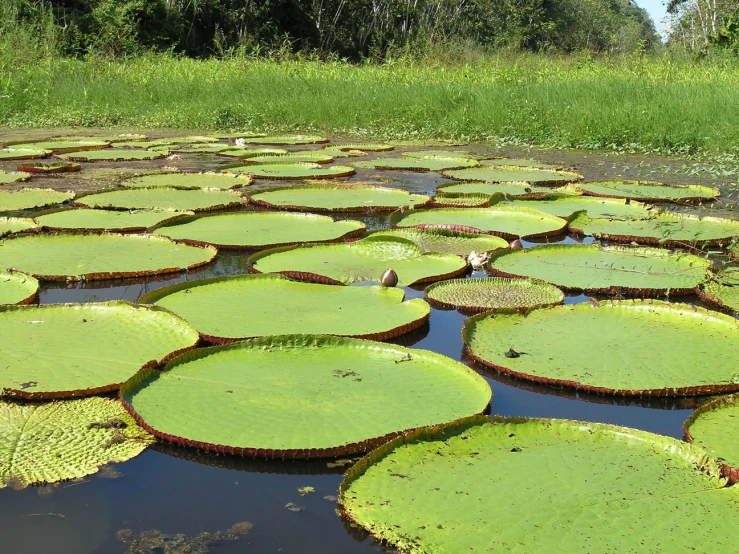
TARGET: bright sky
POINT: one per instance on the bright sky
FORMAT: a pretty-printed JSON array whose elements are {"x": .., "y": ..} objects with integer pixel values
[{"x": 656, "y": 9}]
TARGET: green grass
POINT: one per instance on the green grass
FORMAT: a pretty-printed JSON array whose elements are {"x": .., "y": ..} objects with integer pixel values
[{"x": 647, "y": 105}]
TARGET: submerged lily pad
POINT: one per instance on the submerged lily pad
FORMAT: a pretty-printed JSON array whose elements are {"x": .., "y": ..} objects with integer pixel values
[
  {"x": 13, "y": 176},
  {"x": 506, "y": 222},
  {"x": 162, "y": 198},
  {"x": 257, "y": 230},
  {"x": 604, "y": 269},
  {"x": 315, "y": 156},
  {"x": 494, "y": 293},
  {"x": 280, "y": 140},
  {"x": 669, "y": 229},
  {"x": 189, "y": 181},
  {"x": 225, "y": 309},
  {"x": 541, "y": 177},
  {"x": 363, "y": 260},
  {"x": 722, "y": 290},
  {"x": 540, "y": 485},
  {"x": 114, "y": 155},
  {"x": 648, "y": 191},
  {"x": 566, "y": 206},
  {"x": 71, "y": 257},
  {"x": 352, "y": 394},
  {"x": 519, "y": 162},
  {"x": 240, "y": 152},
  {"x": 417, "y": 164},
  {"x": 25, "y": 199},
  {"x": 336, "y": 198},
  {"x": 22, "y": 153},
  {"x": 44, "y": 443},
  {"x": 65, "y": 350},
  {"x": 446, "y": 241},
  {"x": 294, "y": 171},
  {"x": 15, "y": 225},
  {"x": 17, "y": 288},
  {"x": 65, "y": 145},
  {"x": 84, "y": 219},
  {"x": 627, "y": 347},
  {"x": 714, "y": 427}
]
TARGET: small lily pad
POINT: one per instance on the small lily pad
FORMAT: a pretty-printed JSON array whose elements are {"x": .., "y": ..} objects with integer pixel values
[
  {"x": 22, "y": 153},
  {"x": 15, "y": 225},
  {"x": 25, "y": 199},
  {"x": 162, "y": 198},
  {"x": 722, "y": 290},
  {"x": 493, "y": 293},
  {"x": 13, "y": 176},
  {"x": 221, "y": 181},
  {"x": 52, "y": 167},
  {"x": 17, "y": 287},
  {"x": 713, "y": 427}
]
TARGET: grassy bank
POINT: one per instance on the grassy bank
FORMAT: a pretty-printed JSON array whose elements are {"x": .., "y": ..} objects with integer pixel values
[{"x": 654, "y": 105}]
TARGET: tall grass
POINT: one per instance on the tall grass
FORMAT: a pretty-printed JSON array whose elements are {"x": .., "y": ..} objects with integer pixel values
[{"x": 641, "y": 104}]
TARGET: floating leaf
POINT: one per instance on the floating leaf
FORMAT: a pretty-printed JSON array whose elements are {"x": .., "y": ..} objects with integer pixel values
[
  {"x": 22, "y": 153},
  {"x": 45, "y": 168},
  {"x": 239, "y": 152},
  {"x": 445, "y": 241},
  {"x": 224, "y": 309},
  {"x": 456, "y": 200},
  {"x": 15, "y": 225},
  {"x": 17, "y": 288},
  {"x": 541, "y": 177},
  {"x": 435, "y": 154},
  {"x": 294, "y": 171},
  {"x": 491, "y": 189},
  {"x": 114, "y": 155},
  {"x": 360, "y": 146},
  {"x": 648, "y": 191},
  {"x": 280, "y": 140},
  {"x": 417, "y": 164},
  {"x": 64, "y": 145},
  {"x": 189, "y": 181},
  {"x": 519, "y": 162},
  {"x": 84, "y": 219},
  {"x": 158, "y": 144},
  {"x": 494, "y": 293},
  {"x": 25, "y": 199},
  {"x": 13, "y": 176},
  {"x": 314, "y": 156},
  {"x": 212, "y": 148},
  {"x": 567, "y": 206},
  {"x": 350, "y": 395},
  {"x": 722, "y": 290},
  {"x": 713, "y": 427},
  {"x": 162, "y": 198}
]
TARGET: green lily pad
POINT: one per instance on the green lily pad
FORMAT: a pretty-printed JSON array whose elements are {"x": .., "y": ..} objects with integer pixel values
[
  {"x": 315, "y": 156},
  {"x": 713, "y": 427},
  {"x": 540, "y": 177},
  {"x": 492, "y": 189},
  {"x": 25, "y": 199},
  {"x": 348, "y": 395},
  {"x": 22, "y": 153},
  {"x": 722, "y": 290},
  {"x": 605, "y": 269},
  {"x": 287, "y": 172},
  {"x": 627, "y": 347},
  {"x": 363, "y": 260},
  {"x": 648, "y": 191},
  {"x": 566, "y": 206},
  {"x": 225, "y": 309},
  {"x": 207, "y": 148},
  {"x": 162, "y": 198},
  {"x": 46, "y": 168},
  {"x": 114, "y": 155},
  {"x": 64, "y": 145},
  {"x": 71, "y": 257},
  {"x": 433, "y": 154},
  {"x": 84, "y": 219},
  {"x": 281, "y": 140},
  {"x": 668, "y": 229},
  {"x": 65, "y": 350},
  {"x": 257, "y": 230},
  {"x": 509, "y": 223},
  {"x": 158, "y": 144},
  {"x": 240, "y": 152},
  {"x": 540, "y": 485},
  {"x": 222, "y": 181},
  {"x": 17, "y": 288},
  {"x": 456, "y": 200},
  {"x": 15, "y": 225},
  {"x": 13, "y": 177},
  {"x": 519, "y": 162},
  {"x": 192, "y": 139},
  {"x": 45, "y": 443},
  {"x": 336, "y": 198},
  {"x": 446, "y": 241},
  {"x": 493, "y": 293},
  {"x": 360, "y": 146},
  {"x": 417, "y": 164}
]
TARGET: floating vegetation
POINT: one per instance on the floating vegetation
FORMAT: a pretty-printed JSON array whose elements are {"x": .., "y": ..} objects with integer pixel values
[
  {"x": 605, "y": 269},
  {"x": 17, "y": 287},
  {"x": 506, "y": 222},
  {"x": 22, "y": 153},
  {"x": 115, "y": 155},
  {"x": 25, "y": 199},
  {"x": 45, "y": 443},
  {"x": 493, "y": 293},
  {"x": 566, "y": 206},
  {"x": 161, "y": 198},
  {"x": 74, "y": 257},
  {"x": 446, "y": 241},
  {"x": 722, "y": 290},
  {"x": 13, "y": 176},
  {"x": 285, "y": 171},
  {"x": 468, "y": 487},
  {"x": 493, "y": 189},
  {"x": 10, "y": 225},
  {"x": 436, "y": 154},
  {"x": 226, "y": 309},
  {"x": 519, "y": 162},
  {"x": 64, "y": 145},
  {"x": 649, "y": 191},
  {"x": 540, "y": 177},
  {"x": 222, "y": 181},
  {"x": 206, "y": 148},
  {"x": 158, "y": 144},
  {"x": 363, "y": 260},
  {"x": 712, "y": 427},
  {"x": 315, "y": 156},
  {"x": 353, "y": 395},
  {"x": 336, "y": 198},
  {"x": 360, "y": 147},
  {"x": 85, "y": 219},
  {"x": 156, "y": 542},
  {"x": 241, "y": 152},
  {"x": 258, "y": 230},
  {"x": 457, "y": 200},
  {"x": 286, "y": 140},
  {"x": 193, "y": 139},
  {"x": 51, "y": 167},
  {"x": 417, "y": 164}
]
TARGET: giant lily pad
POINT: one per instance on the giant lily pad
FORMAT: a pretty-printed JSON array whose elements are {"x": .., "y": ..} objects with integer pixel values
[
  {"x": 722, "y": 290},
  {"x": 669, "y": 229},
  {"x": 44, "y": 443},
  {"x": 434, "y": 154},
  {"x": 45, "y": 168},
  {"x": 336, "y": 198},
  {"x": 239, "y": 152},
  {"x": 225, "y": 309},
  {"x": 359, "y": 146},
  {"x": 364, "y": 260},
  {"x": 157, "y": 144},
  {"x": 489, "y": 189},
  {"x": 17, "y": 288},
  {"x": 65, "y": 145},
  {"x": 64, "y": 350},
  {"x": 292, "y": 171},
  {"x": 13, "y": 177},
  {"x": 541, "y": 177},
  {"x": 207, "y": 148},
  {"x": 84, "y": 219},
  {"x": 599, "y": 269},
  {"x": 15, "y": 225},
  {"x": 282, "y": 140},
  {"x": 25, "y": 199},
  {"x": 417, "y": 164},
  {"x": 505, "y": 222},
  {"x": 565, "y": 206},
  {"x": 648, "y": 191},
  {"x": 347, "y": 395},
  {"x": 456, "y": 200},
  {"x": 315, "y": 156},
  {"x": 540, "y": 485},
  {"x": 627, "y": 347},
  {"x": 494, "y": 293},
  {"x": 66, "y": 257},
  {"x": 22, "y": 153},
  {"x": 519, "y": 162},
  {"x": 162, "y": 198},
  {"x": 446, "y": 241},
  {"x": 114, "y": 155},
  {"x": 257, "y": 230},
  {"x": 714, "y": 427},
  {"x": 222, "y": 181}
]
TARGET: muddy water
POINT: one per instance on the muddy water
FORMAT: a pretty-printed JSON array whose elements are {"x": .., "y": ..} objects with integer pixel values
[{"x": 181, "y": 493}]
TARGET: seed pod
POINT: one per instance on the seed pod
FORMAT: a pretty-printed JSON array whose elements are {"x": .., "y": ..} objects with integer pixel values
[{"x": 389, "y": 278}]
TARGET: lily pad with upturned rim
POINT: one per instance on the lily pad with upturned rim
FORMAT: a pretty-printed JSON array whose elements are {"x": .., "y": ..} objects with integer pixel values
[
  {"x": 363, "y": 260},
  {"x": 49, "y": 167},
  {"x": 115, "y": 155},
  {"x": 205, "y": 148},
  {"x": 66, "y": 145},
  {"x": 75, "y": 257},
  {"x": 223, "y": 181},
  {"x": 566, "y": 206},
  {"x": 162, "y": 198},
  {"x": 540, "y": 485},
  {"x": 287, "y": 140},
  {"x": 493, "y": 293},
  {"x": 68, "y": 350},
  {"x": 722, "y": 290},
  {"x": 432, "y": 154},
  {"x": 520, "y": 162},
  {"x": 445, "y": 241},
  {"x": 492, "y": 189},
  {"x": 714, "y": 427},
  {"x": 227, "y": 309},
  {"x": 45, "y": 443},
  {"x": 157, "y": 144},
  {"x": 25, "y": 199},
  {"x": 605, "y": 269},
  {"x": 625, "y": 348},
  {"x": 239, "y": 152},
  {"x": 88, "y": 219},
  {"x": 352, "y": 394},
  {"x": 502, "y": 174},
  {"x": 649, "y": 191},
  {"x": 13, "y": 176},
  {"x": 258, "y": 230},
  {"x": 17, "y": 287},
  {"x": 307, "y": 156},
  {"x": 293, "y": 171},
  {"x": 9, "y": 225},
  {"x": 360, "y": 146},
  {"x": 416, "y": 164},
  {"x": 458, "y": 200},
  {"x": 22, "y": 153}
]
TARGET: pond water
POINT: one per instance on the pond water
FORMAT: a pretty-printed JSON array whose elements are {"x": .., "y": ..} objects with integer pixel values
[{"x": 182, "y": 493}]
